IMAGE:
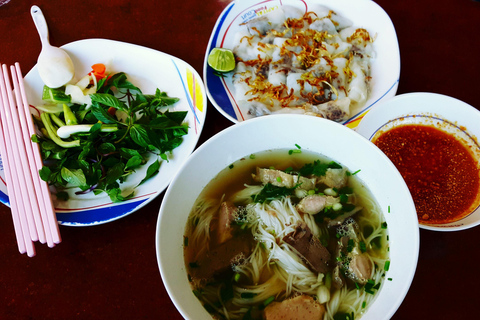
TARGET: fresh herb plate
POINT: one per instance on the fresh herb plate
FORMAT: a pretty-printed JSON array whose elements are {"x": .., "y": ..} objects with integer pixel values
[
  {"x": 148, "y": 69},
  {"x": 385, "y": 67}
]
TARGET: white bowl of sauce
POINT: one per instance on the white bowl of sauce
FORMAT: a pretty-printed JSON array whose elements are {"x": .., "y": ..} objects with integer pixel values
[{"x": 432, "y": 140}]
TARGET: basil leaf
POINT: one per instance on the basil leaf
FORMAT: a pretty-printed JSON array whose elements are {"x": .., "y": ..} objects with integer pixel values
[
  {"x": 128, "y": 153},
  {"x": 106, "y": 148},
  {"x": 151, "y": 171},
  {"x": 108, "y": 100},
  {"x": 76, "y": 177},
  {"x": 45, "y": 173},
  {"x": 116, "y": 196},
  {"x": 139, "y": 135},
  {"x": 114, "y": 173},
  {"x": 133, "y": 162},
  {"x": 102, "y": 115}
]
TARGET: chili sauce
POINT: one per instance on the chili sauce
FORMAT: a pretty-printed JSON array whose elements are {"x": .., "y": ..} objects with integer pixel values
[{"x": 440, "y": 171}]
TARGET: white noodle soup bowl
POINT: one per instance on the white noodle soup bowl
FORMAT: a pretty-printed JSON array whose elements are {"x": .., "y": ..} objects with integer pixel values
[{"x": 312, "y": 134}]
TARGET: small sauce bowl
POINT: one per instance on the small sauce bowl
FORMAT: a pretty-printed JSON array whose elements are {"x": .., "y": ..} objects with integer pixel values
[{"x": 432, "y": 140}]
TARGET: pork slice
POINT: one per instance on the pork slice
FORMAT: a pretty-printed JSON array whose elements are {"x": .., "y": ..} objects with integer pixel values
[
  {"x": 309, "y": 248},
  {"x": 305, "y": 183},
  {"x": 218, "y": 261},
  {"x": 226, "y": 216},
  {"x": 314, "y": 203},
  {"x": 335, "y": 178},
  {"x": 361, "y": 268},
  {"x": 282, "y": 179},
  {"x": 300, "y": 307},
  {"x": 276, "y": 177}
]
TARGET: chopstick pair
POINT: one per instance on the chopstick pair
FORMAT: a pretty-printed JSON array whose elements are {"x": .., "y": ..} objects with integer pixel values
[{"x": 31, "y": 204}]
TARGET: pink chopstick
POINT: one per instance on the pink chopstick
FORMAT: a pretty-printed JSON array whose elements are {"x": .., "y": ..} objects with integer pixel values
[
  {"x": 15, "y": 202},
  {"x": 33, "y": 213},
  {"x": 15, "y": 192},
  {"x": 47, "y": 208},
  {"x": 21, "y": 162}
]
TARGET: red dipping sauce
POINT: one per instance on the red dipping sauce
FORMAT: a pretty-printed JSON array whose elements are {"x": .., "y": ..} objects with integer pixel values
[{"x": 440, "y": 171}]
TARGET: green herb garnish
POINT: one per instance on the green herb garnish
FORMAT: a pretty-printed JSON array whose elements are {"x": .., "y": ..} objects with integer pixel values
[
  {"x": 106, "y": 149},
  {"x": 271, "y": 192},
  {"x": 318, "y": 168}
]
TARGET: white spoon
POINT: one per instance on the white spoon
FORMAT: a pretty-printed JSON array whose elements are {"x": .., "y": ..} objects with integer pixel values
[{"x": 54, "y": 65}]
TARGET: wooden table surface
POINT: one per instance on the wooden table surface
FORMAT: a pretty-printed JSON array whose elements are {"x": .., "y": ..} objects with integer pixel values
[{"x": 110, "y": 271}]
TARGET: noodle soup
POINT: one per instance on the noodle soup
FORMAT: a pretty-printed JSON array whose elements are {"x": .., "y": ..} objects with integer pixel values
[{"x": 286, "y": 231}]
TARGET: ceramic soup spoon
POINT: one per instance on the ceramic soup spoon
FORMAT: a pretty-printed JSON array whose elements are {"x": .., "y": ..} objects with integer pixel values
[{"x": 54, "y": 65}]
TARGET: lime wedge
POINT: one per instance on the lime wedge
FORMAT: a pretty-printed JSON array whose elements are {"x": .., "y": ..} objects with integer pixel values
[{"x": 221, "y": 60}]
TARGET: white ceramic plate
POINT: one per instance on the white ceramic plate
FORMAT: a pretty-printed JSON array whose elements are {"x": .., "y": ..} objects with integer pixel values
[
  {"x": 385, "y": 68},
  {"x": 148, "y": 69},
  {"x": 282, "y": 132},
  {"x": 455, "y": 116}
]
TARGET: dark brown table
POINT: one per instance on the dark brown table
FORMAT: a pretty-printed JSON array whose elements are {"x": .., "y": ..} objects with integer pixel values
[{"x": 110, "y": 271}]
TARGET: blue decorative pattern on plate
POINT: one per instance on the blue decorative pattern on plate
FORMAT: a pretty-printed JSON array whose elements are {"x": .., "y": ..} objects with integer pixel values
[
  {"x": 148, "y": 69},
  {"x": 385, "y": 66}
]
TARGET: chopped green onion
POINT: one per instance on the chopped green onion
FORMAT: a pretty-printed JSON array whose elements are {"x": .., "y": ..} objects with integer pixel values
[
  {"x": 310, "y": 192},
  {"x": 356, "y": 172},
  {"x": 252, "y": 156},
  {"x": 389, "y": 279},
  {"x": 296, "y": 145},
  {"x": 230, "y": 166},
  {"x": 364, "y": 304},
  {"x": 237, "y": 277},
  {"x": 337, "y": 206},
  {"x": 268, "y": 301},
  {"x": 330, "y": 192},
  {"x": 384, "y": 225},
  {"x": 350, "y": 245},
  {"x": 279, "y": 179},
  {"x": 363, "y": 246},
  {"x": 387, "y": 265},
  {"x": 343, "y": 198},
  {"x": 294, "y": 151},
  {"x": 388, "y": 209}
]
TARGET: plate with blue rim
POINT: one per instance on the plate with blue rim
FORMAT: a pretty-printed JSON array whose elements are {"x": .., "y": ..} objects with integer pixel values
[
  {"x": 148, "y": 69},
  {"x": 385, "y": 66}
]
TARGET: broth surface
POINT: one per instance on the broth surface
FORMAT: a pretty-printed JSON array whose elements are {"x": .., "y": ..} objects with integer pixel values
[{"x": 238, "y": 289}]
